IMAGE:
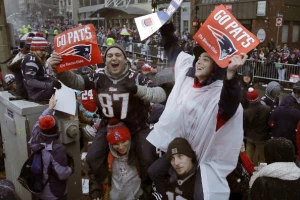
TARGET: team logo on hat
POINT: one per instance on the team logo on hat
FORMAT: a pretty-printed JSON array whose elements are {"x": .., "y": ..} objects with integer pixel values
[
  {"x": 226, "y": 46},
  {"x": 117, "y": 136},
  {"x": 83, "y": 51},
  {"x": 174, "y": 151}
]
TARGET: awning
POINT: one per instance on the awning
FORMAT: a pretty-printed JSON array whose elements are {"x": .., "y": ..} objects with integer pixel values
[
  {"x": 130, "y": 10},
  {"x": 90, "y": 19}
]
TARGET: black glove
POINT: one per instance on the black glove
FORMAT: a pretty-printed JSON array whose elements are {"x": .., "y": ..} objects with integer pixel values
[
  {"x": 56, "y": 84},
  {"x": 96, "y": 116},
  {"x": 130, "y": 87}
]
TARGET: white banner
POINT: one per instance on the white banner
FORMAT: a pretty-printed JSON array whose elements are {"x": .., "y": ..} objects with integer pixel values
[{"x": 149, "y": 24}]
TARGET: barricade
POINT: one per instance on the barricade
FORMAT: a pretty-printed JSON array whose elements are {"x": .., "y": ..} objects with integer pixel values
[
  {"x": 272, "y": 71},
  {"x": 259, "y": 69}
]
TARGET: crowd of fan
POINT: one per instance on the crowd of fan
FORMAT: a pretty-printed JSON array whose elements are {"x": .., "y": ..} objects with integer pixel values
[{"x": 271, "y": 126}]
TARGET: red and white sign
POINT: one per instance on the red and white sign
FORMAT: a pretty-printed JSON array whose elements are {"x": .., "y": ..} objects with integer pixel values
[
  {"x": 278, "y": 21},
  {"x": 78, "y": 47},
  {"x": 294, "y": 78},
  {"x": 222, "y": 36},
  {"x": 227, "y": 6}
]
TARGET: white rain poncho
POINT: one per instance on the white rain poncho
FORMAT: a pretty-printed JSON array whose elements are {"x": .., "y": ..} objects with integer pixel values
[{"x": 191, "y": 113}]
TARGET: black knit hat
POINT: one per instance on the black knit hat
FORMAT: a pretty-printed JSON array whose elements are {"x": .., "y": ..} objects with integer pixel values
[
  {"x": 180, "y": 146},
  {"x": 279, "y": 150},
  {"x": 115, "y": 46}
]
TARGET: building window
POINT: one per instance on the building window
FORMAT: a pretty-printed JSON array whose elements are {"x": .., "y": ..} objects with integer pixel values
[
  {"x": 86, "y": 2},
  {"x": 69, "y": 2},
  {"x": 142, "y": 1},
  {"x": 61, "y": 3},
  {"x": 285, "y": 33},
  {"x": 131, "y": 2},
  {"x": 296, "y": 33},
  {"x": 94, "y": 2}
]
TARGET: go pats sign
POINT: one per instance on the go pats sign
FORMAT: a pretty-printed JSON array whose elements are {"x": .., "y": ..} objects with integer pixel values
[
  {"x": 78, "y": 47},
  {"x": 222, "y": 36}
]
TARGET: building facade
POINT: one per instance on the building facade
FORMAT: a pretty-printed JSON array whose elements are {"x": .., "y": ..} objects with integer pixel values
[
  {"x": 69, "y": 10},
  {"x": 259, "y": 17}
]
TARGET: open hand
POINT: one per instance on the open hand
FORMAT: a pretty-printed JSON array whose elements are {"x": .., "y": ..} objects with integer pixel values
[
  {"x": 54, "y": 60},
  {"x": 236, "y": 62}
]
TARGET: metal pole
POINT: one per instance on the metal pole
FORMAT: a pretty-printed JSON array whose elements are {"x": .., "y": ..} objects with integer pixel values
[
  {"x": 4, "y": 41},
  {"x": 277, "y": 36}
]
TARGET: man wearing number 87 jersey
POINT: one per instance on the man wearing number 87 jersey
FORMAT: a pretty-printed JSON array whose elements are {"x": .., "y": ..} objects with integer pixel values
[{"x": 122, "y": 93}]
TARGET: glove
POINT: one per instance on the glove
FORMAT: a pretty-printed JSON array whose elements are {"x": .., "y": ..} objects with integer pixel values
[
  {"x": 56, "y": 84},
  {"x": 96, "y": 116},
  {"x": 130, "y": 87}
]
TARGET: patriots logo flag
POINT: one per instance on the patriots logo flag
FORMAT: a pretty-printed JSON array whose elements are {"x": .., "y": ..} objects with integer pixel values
[
  {"x": 78, "y": 47},
  {"x": 83, "y": 51},
  {"x": 225, "y": 44},
  {"x": 222, "y": 36}
]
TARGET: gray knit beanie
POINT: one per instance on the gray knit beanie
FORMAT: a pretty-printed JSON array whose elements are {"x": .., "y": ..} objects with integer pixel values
[{"x": 115, "y": 46}]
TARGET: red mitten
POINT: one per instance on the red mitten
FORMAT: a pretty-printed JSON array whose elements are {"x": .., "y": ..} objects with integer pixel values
[{"x": 247, "y": 163}]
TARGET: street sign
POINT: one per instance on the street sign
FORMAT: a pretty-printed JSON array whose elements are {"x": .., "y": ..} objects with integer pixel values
[{"x": 279, "y": 21}]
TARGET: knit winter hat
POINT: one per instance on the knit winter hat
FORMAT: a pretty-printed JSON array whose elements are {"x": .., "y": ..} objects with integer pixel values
[
  {"x": 39, "y": 43},
  {"x": 115, "y": 46},
  {"x": 180, "y": 146},
  {"x": 110, "y": 41},
  {"x": 279, "y": 150},
  {"x": 29, "y": 40},
  {"x": 117, "y": 131},
  {"x": 252, "y": 95},
  {"x": 48, "y": 125}
]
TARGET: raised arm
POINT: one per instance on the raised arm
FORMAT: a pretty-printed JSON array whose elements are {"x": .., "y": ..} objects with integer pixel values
[
  {"x": 170, "y": 42},
  {"x": 229, "y": 100}
]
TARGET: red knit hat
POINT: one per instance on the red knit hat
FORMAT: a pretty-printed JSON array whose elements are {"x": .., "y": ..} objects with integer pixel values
[
  {"x": 252, "y": 94},
  {"x": 117, "y": 131},
  {"x": 39, "y": 43},
  {"x": 48, "y": 125}
]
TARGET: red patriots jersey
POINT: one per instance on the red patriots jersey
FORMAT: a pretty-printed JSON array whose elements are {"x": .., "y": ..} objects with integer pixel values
[{"x": 88, "y": 100}]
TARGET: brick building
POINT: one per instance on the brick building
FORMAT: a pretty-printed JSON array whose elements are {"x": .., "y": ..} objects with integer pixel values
[{"x": 258, "y": 16}]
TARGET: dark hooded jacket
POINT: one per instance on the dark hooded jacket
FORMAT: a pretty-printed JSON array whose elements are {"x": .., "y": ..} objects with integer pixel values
[
  {"x": 273, "y": 186},
  {"x": 283, "y": 122},
  {"x": 256, "y": 127},
  {"x": 290, "y": 100},
  {"x": 55, "y": 163}
]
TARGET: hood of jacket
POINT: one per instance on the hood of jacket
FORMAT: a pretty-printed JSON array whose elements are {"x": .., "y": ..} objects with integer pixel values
[
  {"x": 273, "y": 85},
  {"x": 115, "y": 153}
]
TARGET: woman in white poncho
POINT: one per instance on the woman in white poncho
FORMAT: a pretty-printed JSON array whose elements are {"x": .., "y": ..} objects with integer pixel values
[{"x": 204, "y": 110}]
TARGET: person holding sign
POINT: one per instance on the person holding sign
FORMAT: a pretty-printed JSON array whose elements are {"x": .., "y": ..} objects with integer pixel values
[
  {"x": 206, "y": 111},
  {"x": 38, "y": 84},
  {"x": 122, "y": 93}
]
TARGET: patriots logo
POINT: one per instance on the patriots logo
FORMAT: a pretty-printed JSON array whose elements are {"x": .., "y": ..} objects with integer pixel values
[
  {"x": 83, "y": 51},
  {"x": 226, "y": 46},
  {"x": 117, "y": 136}
]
